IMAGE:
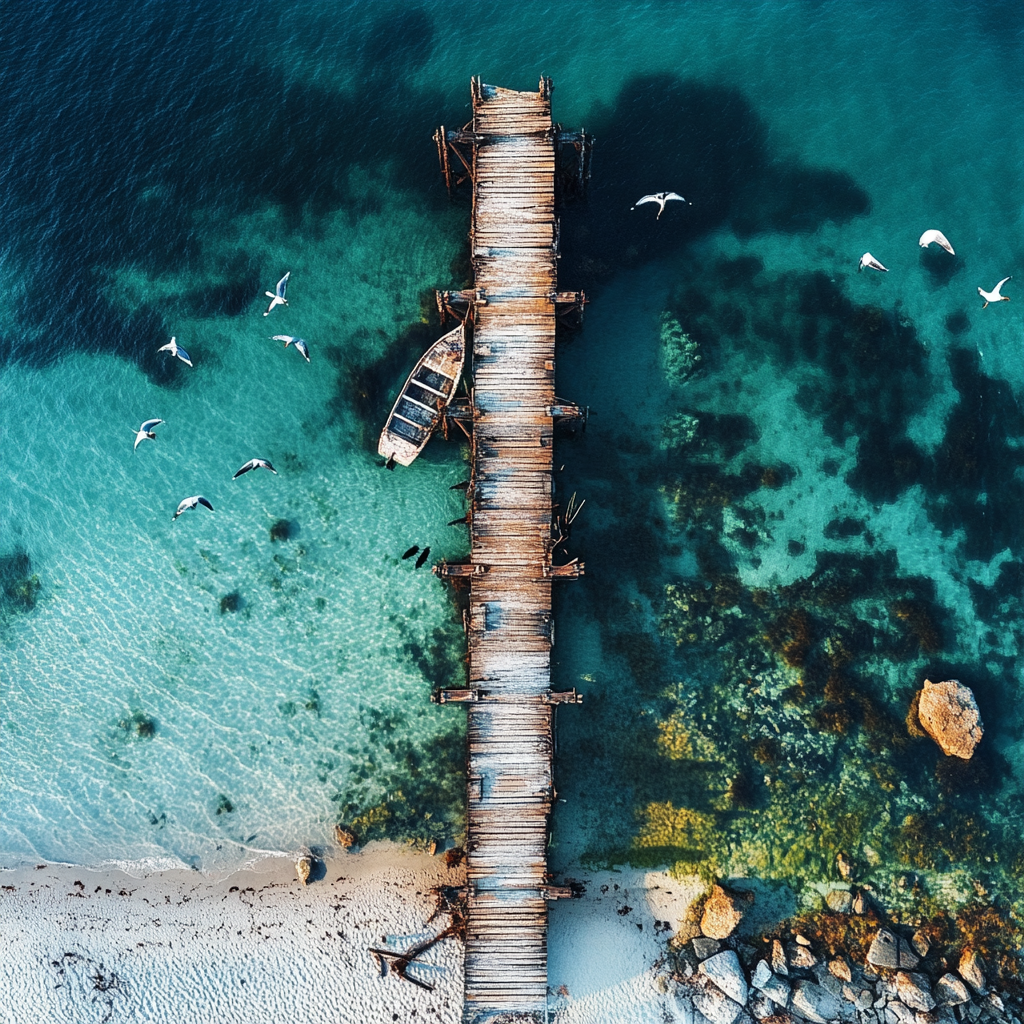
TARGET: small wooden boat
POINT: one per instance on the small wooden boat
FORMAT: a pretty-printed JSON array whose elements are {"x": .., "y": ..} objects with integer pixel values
[{"x": 424, "y": 397}]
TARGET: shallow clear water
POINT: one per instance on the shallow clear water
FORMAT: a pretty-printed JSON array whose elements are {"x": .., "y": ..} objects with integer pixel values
[{"x": 165, "y": 167}]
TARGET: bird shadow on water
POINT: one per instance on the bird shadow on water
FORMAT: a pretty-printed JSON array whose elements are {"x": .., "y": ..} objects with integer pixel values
[{"x": 128, "y": 156}]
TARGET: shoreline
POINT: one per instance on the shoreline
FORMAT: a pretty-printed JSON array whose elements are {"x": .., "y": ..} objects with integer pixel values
[{"x": 254, "y": 946}]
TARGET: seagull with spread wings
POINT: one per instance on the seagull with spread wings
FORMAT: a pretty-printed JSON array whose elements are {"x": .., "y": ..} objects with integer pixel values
[
  {"x": 145, "y": 432},
  {"x": 176, "y": 350},
  {"x": 186, "y": 503},
  {"x": 277, "y": 295},
  {"x": 661, "y": 198}
]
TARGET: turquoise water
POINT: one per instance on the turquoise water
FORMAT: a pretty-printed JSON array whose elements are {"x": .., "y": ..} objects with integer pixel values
[{"x": 163, "y": 167}]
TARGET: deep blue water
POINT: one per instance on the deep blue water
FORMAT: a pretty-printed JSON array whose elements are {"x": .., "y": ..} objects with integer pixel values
[{"x": 163, "y": 164}]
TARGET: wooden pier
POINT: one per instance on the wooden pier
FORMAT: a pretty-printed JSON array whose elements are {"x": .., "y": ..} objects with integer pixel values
[{"x": 511, "y": 153}]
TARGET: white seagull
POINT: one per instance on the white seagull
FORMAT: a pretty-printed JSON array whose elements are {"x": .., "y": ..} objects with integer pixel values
[
  {"x": 145, "y": 432},
  {"x": 176, "y": 350},
  {"x": 187, "y": 503},
  {"x": 867, "y": 260},
  {"x": 935, "y": 236},
  {"x": 661, "y": 198},
  {"x": 255, "y": 464},
  {"x": 299, "y": 343},
  {"x": 277, "y": 295},
  {"x": 994, "y": 296}
]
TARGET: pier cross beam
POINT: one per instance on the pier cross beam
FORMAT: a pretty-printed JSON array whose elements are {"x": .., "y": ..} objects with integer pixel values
[{"x": 510, "y": 151}]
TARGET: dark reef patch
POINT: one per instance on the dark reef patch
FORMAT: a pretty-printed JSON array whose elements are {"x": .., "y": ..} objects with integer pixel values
[
  {"x": 19, "y": 585},
  {"x": 709, "y": 141},
  {"x": 283, "y": 529},
  {"x": 162, "y": 83},
  {"x": 232, "y": 602},
  {"x": 976, "y": 483},
  {"x": 958, "y": 323}
]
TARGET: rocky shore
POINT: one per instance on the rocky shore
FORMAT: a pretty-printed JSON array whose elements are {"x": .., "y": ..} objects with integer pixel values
[{"x": 888, "y": 974}]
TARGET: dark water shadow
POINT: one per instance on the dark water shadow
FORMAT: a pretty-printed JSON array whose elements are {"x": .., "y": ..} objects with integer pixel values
[
  {"x": 975, "y": 479},
  {"x": 940, "y": 266},
  {"x": 159, "y": 112},
  {"x": 707, "y": 143}
]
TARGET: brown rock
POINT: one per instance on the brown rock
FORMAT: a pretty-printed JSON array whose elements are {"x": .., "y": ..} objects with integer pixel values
[
  {"x": 344, "y": 837},
  {"x": 840, "y": 968},
  {"x": 921, "y": 943},
  {"x": 915, "y": 991},
  {"x": 970, "y": 969},
  {"x": 722, "y": 913},
  {"x": 779, "y": 963},
  {"x": 949, "y": 714}
]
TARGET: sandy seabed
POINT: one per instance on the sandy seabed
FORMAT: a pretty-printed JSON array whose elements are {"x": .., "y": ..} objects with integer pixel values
[{"x": 81, "y": 946}]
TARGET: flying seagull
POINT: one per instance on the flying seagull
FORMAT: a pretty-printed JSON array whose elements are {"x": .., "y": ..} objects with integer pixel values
[
  {"x": 661, "y": 198},
  {"x": 935, "y": 236},
  {"x": 277, "y": 295},
  {"x": 299, "y": 343},
  {"x": 867, "y": 260},
  {"x": 255, "y": 464},
  {"x": 145, "y": 432},
  {"x": 994, "y": 296},
  {"x": 176, "y": 350},
  {"x": 187, "y": 503}
]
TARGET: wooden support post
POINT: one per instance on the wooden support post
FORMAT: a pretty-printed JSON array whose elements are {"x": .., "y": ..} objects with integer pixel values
[{"x": 441, "y": 138}]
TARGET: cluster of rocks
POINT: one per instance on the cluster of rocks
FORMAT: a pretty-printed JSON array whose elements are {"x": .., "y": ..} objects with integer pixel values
[{"x": 720, "y": 979}]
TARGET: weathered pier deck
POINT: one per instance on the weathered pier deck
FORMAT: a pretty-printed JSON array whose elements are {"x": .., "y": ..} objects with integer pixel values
[{"x": 510, "y": 152}]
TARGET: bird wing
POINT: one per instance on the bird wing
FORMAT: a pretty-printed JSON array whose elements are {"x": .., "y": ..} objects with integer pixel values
[
  {"x": 282, "y": 285},
  {"x": 286, "y": 338},
  {"x": 185, "y": 503},
  {"x": 995, "y": 291},
  {"x": 139, "y": 438},
  {"x": 202, "y": 501},
  {"x": 303, "y": 348},
  {"x": 149, "y": 425},
  {"x": 674, "y": 195},
  {"x": 265, "y": 464},
  {"x": 251, "y": 464},
  {"x": 183, "y": 356},
  {"x": 646, "y": 199},
  {"x": 169, "y": 347}
]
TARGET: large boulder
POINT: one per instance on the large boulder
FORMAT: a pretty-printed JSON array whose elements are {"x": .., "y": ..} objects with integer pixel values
[
  {"x": 714, "y": 1003},
  {"x": 722, "y": 913},
  {"x": 951, "y": 991},
  {"x": 814, "y": 1003},
  {"x": 915, "y": 990},
  {"x": 949, "y": 714},
  {"x": 725, "y": 971},
  {"x": 892, "y": 951}
]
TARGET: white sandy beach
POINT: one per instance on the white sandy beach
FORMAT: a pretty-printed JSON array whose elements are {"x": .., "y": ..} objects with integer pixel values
[{"x": 84, "y": 946}]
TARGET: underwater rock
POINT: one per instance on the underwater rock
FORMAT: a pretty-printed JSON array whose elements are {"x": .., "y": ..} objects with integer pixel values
[
  {"x": 722, "y": 913},
  {"x": 725, "y": 971},
  {"x": 915, "y": 991},
  {"x": 679, "y": 349},
  {"x": 971, "y": 971},
  {"x": 844, "y": 864},
  {"x": 888, "y": 950},
  {"x": 840, "y": 901},
  {"x": 815, "y": 1003},
  {"x": 949, "y": 714},
  {"x": 951, "y": 991}
]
